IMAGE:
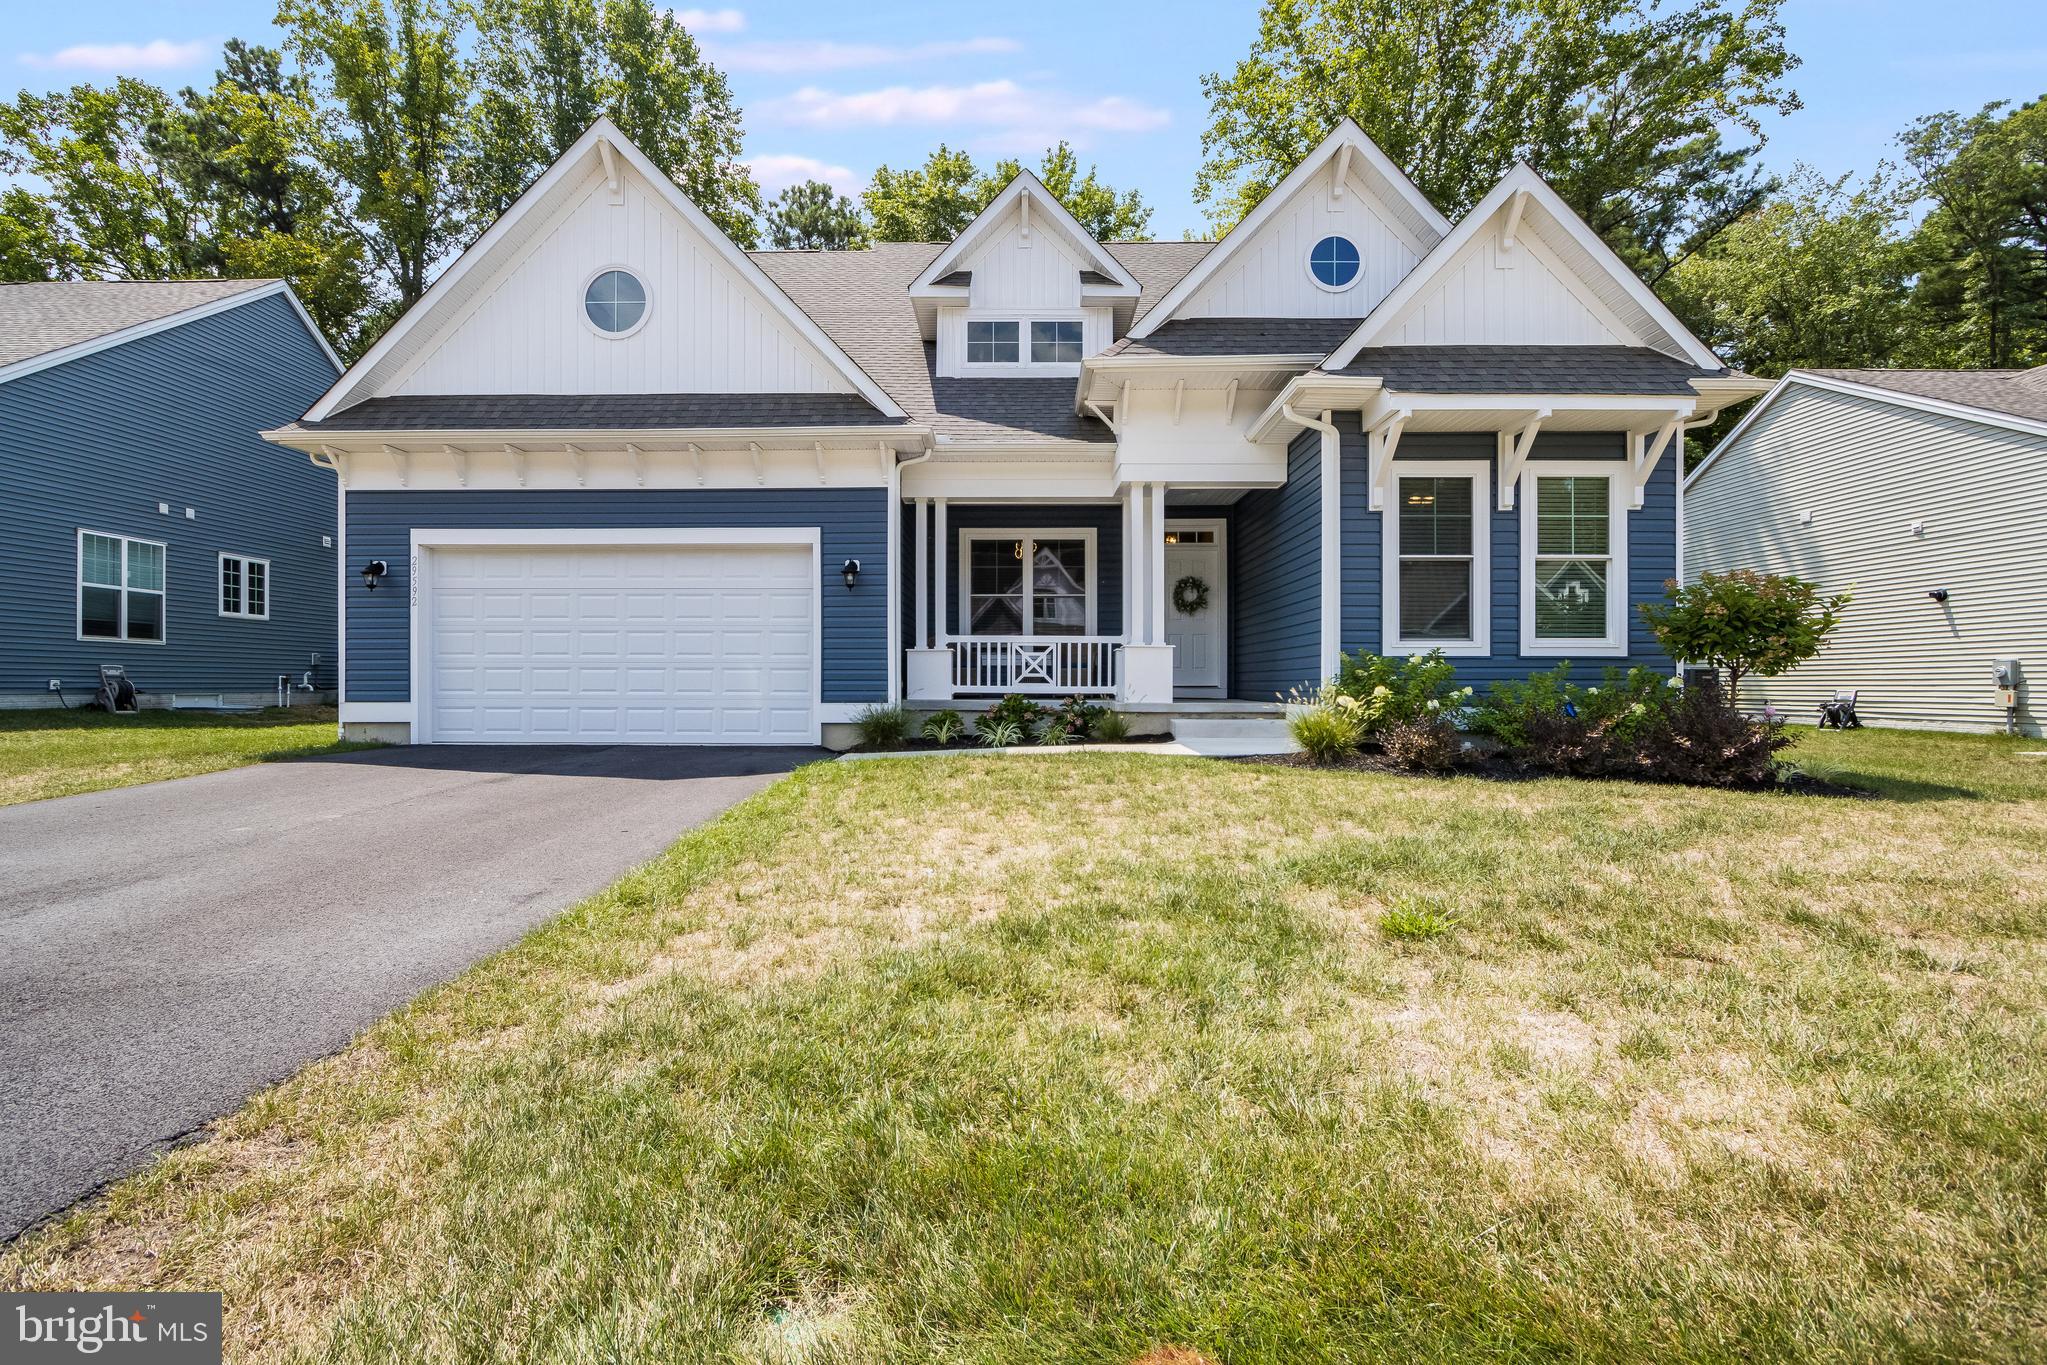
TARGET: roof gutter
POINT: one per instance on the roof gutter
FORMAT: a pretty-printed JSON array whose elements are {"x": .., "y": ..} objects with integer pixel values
[{"x": 311, "y": 439}]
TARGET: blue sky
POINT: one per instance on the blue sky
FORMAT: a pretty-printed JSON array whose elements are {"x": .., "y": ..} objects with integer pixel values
[{"x": 832, "y": 89}]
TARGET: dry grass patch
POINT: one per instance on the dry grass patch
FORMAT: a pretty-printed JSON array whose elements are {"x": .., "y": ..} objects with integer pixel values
[
  {"x": 63, "y": 753},
  {"x": 1069, "y": 1059}
]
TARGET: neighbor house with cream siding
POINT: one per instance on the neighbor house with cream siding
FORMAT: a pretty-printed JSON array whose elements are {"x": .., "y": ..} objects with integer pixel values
[{"x": 1923, "y": 493}]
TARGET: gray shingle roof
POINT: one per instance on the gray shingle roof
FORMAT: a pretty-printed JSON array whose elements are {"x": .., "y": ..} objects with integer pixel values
[
  {"x": 2017, "y": 393},
  {"x": 41, "y": 317},
  {"x": 592, "y": 412},
  {"x": 861, "y": 299},
  {"x": 1528, "y": 369},
  {"x": 1240, "y": 336}
]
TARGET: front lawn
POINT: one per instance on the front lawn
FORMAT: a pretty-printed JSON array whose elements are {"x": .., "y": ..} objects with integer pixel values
[
  {"x": 1072, "y": 1057},
  {"x": 62, "y": 753}
]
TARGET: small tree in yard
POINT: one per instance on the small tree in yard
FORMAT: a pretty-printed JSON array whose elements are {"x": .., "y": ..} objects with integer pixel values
[{"x": 1745, "y": 623}]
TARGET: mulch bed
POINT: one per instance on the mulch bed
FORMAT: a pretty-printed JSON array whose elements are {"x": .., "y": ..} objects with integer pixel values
[
  {"x": 1493, "y": 768},
  {"x": 928, "y": 746}
]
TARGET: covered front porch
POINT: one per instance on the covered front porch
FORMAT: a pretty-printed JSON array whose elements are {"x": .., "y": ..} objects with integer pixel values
[{"x": 1124, "y": 598}]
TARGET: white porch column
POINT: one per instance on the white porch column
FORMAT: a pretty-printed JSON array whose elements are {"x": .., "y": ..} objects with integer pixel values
[
  {"x": 1134, "y": 629},
  {"x": 1147, "y": 660},
  {"x": 930, "y": 672},
  {"x": 1332, "y": 546},
  {"x": 923, "y": 573}
]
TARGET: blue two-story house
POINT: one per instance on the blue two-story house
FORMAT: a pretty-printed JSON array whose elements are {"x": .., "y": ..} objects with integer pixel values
[
  {"x": 144, "y": 522},
  {"x": 614, "y": 479}
]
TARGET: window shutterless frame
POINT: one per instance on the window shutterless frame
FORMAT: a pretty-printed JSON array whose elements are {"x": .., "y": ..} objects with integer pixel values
[
  {"x": 242, "y": 587},
  {"x": 1029, "y": 537},
  {"x": 123, "y": 590},
  {"x": 1479, "y": 475},
  {"x": 1613, "y": 643}
]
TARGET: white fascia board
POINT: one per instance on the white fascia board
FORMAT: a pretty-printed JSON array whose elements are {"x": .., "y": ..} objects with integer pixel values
[
  {"x": 481, "y": 250},
  {"x": 78, "y": 350},
  {"x": 1521, "y": 179},
  {"x": 1201, "y": 362},
  {"x": 1835, "y": 384},
  {"x": 1345, "y": 133},
  {"x": 1314, "y": 392},
  {"x": 607, "y": 438},
  {"x": 1056, "y": 213}
]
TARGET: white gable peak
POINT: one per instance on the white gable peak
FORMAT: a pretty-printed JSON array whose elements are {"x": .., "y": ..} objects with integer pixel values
[{"x": 508, "y": 316}]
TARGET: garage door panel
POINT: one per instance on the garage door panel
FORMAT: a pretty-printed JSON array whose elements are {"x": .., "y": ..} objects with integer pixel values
[{"x": 648, "y": 644}]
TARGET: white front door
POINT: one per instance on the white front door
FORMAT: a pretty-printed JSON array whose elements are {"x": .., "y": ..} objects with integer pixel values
[
  {"x": 644, "y": 644},
  {"x": 1195, "y": 551}
]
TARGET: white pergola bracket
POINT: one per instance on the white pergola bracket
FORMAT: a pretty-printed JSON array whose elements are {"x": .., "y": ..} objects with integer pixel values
[
  {"x": 460, "y": 459},
  {"x": 753, "y": 448},
  {"x": 577, "y": 458},
  {"x": 696, "y": 460},
  {"x": 639, "y": 459},
  {"x": 1179, "y": 396},
  {"x": 817, "y": 449},
  {"x": 1230, "y": 401},
  {"x": 1513, "y": 455},
  {"x": 518, "y": 458},
  {"x": 401, "y": 460},
  {"x": 1380, "y": 445},
  {"x": 1646, "y": 453}
]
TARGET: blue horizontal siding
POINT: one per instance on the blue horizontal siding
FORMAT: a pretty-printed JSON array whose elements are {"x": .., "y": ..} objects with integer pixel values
[
  {"x": 1276, "y": 580},
  {"x": 1652, "y": 551},
  {"x": 173, "y": 417},
  {"x": 852, "y": 522}
]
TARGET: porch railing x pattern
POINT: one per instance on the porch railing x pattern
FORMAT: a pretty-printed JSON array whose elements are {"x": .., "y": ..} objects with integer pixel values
[{"x": 1063, "y": 665}]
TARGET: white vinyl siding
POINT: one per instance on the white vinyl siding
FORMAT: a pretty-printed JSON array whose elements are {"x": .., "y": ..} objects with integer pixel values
[
  {"x": 1830, "y": 486},
  {"x": 122, "y": 586}
]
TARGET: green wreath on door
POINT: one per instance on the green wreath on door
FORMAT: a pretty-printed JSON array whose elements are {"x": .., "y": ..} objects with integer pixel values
[{"x": 1190, "y": 596}]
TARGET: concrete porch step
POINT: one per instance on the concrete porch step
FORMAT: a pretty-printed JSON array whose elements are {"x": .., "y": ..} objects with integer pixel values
[{"x": 1234, "y": 734}]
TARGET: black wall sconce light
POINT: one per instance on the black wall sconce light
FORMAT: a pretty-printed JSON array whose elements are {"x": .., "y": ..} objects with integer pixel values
[
  {"x": 373, "y": 572},
  {"x": 1937, "y": 594},
  {"x": 850, "y": 571}
]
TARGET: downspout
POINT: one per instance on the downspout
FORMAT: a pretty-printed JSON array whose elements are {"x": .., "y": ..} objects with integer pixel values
[
  {"x": 894, "y": 624},
  {"x": 1332, "y": 533}
]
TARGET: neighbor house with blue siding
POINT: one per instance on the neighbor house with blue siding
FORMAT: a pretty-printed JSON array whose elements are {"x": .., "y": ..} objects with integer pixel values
[
  {"x": 615, "y": 479},
  {"x": 146, "y": 522}
]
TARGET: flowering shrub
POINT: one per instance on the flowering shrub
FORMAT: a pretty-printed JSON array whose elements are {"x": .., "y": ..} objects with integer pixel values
[
  {"x": 1744, "y": 622},
  {"x": 1384, "y": 691},
  {"x": 1076, "y": 718},
  {"x": 1014, "y": 709}
]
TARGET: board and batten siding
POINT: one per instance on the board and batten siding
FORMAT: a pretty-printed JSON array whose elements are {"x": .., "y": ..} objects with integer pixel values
[
  {"x": 1864, "y": 471},
  {"x": 708, "y": 329},
  {"x": 852, "y": 522},
  {"x": 96, "y": 443},
  {"x": 1276, "y": 580},
  {"x": 1652, "y": 551}
]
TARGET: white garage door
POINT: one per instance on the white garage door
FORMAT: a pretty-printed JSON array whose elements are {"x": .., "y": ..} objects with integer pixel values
[{"x": 639, "y": 644}]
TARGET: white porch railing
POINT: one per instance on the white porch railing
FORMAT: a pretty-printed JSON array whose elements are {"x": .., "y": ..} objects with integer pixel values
[{"x": 1062, "y": 665}]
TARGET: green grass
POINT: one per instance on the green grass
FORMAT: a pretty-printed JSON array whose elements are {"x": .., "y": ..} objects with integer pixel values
[
  {"x": 62, "y": 753},
  {"x": 1065, "y": 1059}
]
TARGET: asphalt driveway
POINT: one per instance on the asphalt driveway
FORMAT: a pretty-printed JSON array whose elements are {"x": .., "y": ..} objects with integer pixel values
[{"x": 167, "y": 950}]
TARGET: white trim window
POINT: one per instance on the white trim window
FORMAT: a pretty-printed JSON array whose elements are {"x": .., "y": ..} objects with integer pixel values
[
  {"x": 121, "y": 592},
  {"x": 1438, "y": 562},
  {"x": 1055, "y": 597},
  {"x": 1055, "y": 341},
  {"x": 993, "y": 341},
  {"x": 245, "y": 587},
  {"x": 1574, "y": 559}
]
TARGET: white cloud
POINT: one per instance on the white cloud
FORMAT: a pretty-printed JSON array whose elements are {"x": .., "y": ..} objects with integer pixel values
[
  {"x": 791, "y": 58},
  {"x": 1004, "y": 112},
  {"x": 160, "y": 54},
  {"x": 778, "y": 172},
  {"x": 710, "y": 20}
]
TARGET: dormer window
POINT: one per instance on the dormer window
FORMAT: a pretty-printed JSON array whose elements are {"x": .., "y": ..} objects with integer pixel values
[
  {"x": 993, "y": 343},
  {"x": 1055, "y": 343}
]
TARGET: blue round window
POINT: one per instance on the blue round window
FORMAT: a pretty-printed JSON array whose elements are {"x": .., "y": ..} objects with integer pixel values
[
  {"x": 1334, "y": 263},
  {"x": 615, "y": 302}
]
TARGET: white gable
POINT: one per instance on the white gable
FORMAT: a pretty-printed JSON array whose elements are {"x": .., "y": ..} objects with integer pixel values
[
  {"x": 1267, "y": 274},
  {"x": 1025, "y": 271},
  {"x": 1521, "y": 297},
  {"x": 707, "y": 330},
  {"x": 507, "y": 316}
]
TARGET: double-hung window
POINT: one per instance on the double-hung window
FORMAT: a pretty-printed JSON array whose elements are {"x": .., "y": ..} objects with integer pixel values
[
  {"x": 992, "y": 343},
  {"x": 245, "y": 587},
  {"x": 1573, "y": 560},
  {"x": 1027, "y": 582},
  {"x": 1436, "y": 559},
  {"x": 120, "y": 588}
]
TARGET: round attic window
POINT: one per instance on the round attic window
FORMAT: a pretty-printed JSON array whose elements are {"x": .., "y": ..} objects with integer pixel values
[
  {"x": 1334, "y": 263},
  {"x": 615, "y": 302}
]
